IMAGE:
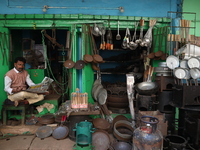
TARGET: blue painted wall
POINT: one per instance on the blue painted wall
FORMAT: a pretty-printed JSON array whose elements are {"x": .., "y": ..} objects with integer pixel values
[{"x": 145, "y": 8}]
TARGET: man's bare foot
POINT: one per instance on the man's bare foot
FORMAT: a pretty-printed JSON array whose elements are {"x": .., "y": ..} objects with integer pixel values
[{"x": 16, "y": 103}]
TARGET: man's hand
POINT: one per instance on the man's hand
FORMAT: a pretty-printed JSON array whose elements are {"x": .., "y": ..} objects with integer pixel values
[{"x": 18, "y": 89}]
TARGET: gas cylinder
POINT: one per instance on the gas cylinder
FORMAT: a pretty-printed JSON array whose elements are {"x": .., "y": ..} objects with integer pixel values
[{"x": 147, "y": 136}]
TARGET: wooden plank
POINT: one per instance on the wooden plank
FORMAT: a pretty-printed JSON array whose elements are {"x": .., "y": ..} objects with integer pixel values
[
  {"x": 19, "y": 129},
  {"x": 96, "y": 112}
]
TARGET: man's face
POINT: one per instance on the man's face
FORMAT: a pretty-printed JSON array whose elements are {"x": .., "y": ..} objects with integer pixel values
[{"x": 19, "y": 66}]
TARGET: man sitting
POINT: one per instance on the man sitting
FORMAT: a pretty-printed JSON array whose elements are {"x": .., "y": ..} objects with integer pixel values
[{"x": 16, "y": 81}]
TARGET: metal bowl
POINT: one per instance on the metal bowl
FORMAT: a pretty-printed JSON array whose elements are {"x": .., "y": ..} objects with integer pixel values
[
  {"x": 101, "y": 123},
  {"x": 121, "y": 146}
]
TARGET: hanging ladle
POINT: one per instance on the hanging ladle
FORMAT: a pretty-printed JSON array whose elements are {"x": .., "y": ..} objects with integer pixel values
[
  {"x": 87, "y": 57},
  {"x": 70, "y": 63},
  {"x": 96, "y": 57},
  {"x": 141, "y": 32},
  {"x": 118, "y": 36}
]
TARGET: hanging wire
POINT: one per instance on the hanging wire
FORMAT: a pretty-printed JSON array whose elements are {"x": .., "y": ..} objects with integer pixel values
[{"x": 50, "y": 73}]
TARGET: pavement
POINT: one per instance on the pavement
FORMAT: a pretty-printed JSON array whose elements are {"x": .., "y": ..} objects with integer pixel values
[{"x": 32, "y": 142}]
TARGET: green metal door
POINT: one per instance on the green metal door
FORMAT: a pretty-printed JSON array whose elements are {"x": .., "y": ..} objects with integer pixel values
[{"x": 4, "y": 59}]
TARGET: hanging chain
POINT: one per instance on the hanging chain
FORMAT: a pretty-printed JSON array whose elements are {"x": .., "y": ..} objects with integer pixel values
[{"x": 49, "y": 70}]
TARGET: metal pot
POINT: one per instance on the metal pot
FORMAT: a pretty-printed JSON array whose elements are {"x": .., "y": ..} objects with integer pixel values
[
  {"x": 184, "y": 63},
  {"x": 195, "y": 73},
  {"x": 182, "y": 73},
  {"x": 194, "y": 62}
]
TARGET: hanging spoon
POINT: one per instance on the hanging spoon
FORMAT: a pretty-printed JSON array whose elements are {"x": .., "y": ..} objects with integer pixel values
[{"x": 118, "y": 36}]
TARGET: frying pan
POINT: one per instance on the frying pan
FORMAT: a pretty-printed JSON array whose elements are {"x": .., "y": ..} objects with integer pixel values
[
  {"x": 43, "y": 132},
  {"x": 61, "y": 131},
  {"x": 79, "y": 64},
  {"x": 147, "y": 87},
  {"x": 96, "y": 83},
  {"x": 97, "y": 91},
  {"x": 102, "y": 96}
]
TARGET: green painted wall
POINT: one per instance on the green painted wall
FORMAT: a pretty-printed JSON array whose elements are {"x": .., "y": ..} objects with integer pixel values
[{"x": 192, "y": 6}]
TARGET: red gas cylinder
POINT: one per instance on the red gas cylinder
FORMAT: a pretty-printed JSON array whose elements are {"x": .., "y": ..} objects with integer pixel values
[{"x": 147, "y": 136}]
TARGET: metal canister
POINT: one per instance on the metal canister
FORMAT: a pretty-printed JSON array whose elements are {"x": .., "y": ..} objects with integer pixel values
[
  {"x": 147, "y": 136},
  {"x": 84, "y": 132}
]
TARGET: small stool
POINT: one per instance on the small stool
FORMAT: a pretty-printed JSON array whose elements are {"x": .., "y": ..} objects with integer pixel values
[{"x": 5, "y": 108}]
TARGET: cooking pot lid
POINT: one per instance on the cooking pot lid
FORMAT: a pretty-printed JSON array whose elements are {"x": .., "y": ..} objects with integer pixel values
[
  {"x": 44, "y": 131},
  {"x": 172, "y": 62}
]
